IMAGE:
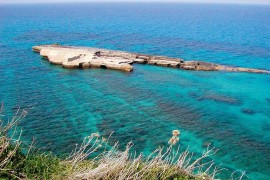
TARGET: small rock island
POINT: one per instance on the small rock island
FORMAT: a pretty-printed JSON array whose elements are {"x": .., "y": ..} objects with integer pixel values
[{"x": 86, "y": 57}]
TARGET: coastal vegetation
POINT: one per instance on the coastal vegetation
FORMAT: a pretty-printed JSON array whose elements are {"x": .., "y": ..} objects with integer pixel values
[{"x": 96, "y": 159}]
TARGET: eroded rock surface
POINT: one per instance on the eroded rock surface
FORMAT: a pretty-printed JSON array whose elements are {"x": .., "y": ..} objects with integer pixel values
[
  {"x": 84, "y": 57},
  {"x": 80, "y": 57}
]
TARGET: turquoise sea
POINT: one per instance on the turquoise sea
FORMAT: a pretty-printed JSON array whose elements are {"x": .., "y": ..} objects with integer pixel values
[{"x": 229, "y": 110}]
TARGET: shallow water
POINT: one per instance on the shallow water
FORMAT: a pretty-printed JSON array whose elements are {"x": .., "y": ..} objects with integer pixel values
[{"x": 229, "y": 110}]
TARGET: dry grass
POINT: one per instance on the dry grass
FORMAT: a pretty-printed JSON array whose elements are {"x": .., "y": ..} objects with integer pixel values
[
  {"x": 9, "y": 145},
  {"x": 163, "y": 163}
]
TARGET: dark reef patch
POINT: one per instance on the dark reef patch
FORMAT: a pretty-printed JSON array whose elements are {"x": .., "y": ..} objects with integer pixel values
[
  {"x": 248, "y": 111},
  {"x": 221, "y": 98}
]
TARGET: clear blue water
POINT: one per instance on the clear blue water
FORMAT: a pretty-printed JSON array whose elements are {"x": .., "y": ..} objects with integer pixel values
[{"x": 230, "y": 110}]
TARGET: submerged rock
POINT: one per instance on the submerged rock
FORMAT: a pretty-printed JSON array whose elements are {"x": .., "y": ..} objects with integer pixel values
[
  {"x": 85, "y": 57},
  {"x": 194, "y": 95},
  {"x": 220, "y": 98},
  {"x": 207, "y": 144},
  {"x": 248, "y": 111}
]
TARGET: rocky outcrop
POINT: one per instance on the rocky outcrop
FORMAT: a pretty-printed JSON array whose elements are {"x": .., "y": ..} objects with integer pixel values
[
  {"x": 73, "y": 57},
  {"x": 199, "y": 66},
  {"x": 83, "y": 57}
]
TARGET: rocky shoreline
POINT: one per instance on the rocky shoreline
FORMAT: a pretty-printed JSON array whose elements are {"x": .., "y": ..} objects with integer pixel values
[{"x": 86, "y": 57}]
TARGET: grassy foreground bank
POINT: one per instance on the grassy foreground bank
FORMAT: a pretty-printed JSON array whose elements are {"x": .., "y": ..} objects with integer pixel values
[{"x": 95, "y": 159}]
